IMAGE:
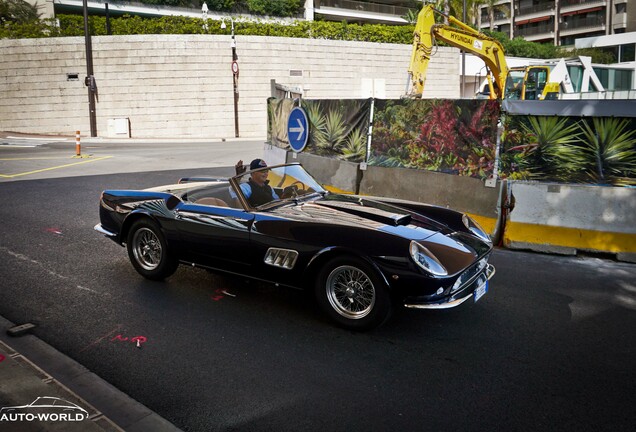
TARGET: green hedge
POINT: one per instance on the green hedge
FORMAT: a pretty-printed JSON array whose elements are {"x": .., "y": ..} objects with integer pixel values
[{"x": 73, "y": 25}]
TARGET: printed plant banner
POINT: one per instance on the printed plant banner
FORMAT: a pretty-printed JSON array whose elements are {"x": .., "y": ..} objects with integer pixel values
[
  {"x": 459, "y": 137},
  {"x": 597, "y": 150},
  {"x": 451, "y": 136},
  {"x": 337, "y": 128}
]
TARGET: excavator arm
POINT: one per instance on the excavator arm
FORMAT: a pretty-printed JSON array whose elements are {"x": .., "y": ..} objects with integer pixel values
[{"x": 460, "y": 36}]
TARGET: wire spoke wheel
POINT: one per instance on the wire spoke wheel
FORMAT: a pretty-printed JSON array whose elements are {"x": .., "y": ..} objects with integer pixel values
[
  {"x": 147, "y": 248},
  {"x": 350, "y": 292}
]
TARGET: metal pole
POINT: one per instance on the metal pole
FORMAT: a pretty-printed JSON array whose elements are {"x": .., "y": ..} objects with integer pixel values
[
  {"x": 108, "y": 32},
  {"x": 235, "y": 79},
  {"x": 464, "y": 58},
  {"x": 90, "y": 79}
]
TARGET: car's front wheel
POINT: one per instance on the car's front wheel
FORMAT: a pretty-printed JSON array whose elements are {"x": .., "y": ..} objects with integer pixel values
[
  {"x": 351, "y": 293},
  {"x": 148, "y": 251}
]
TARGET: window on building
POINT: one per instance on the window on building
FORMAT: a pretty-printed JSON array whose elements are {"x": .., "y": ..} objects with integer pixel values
[
  {"x": 627, "y": 53},
  {"x": 576, "y": 76},
  {"x": 612, "y": 50},
  {"x": 603, "y": 75},
  {"x": 567, "y": 40},
  {"x": 623, "y": 79},
  {"x": 621, "y": 8}
]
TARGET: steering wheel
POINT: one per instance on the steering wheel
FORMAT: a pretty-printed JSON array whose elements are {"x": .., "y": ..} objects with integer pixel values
[{"x": 293, "y": 190}]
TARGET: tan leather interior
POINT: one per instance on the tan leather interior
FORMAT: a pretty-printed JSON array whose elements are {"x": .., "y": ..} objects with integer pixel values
[{"x": 212, "y": 201}]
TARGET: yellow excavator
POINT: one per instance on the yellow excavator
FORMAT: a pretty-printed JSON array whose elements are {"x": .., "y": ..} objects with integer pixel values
[{"x": 525, "y": 83}]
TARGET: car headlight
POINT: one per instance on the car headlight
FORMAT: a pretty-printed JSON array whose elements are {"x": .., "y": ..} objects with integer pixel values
[
  {"x": 474, "y": 228},
  {"x": 426, "y": 260}
]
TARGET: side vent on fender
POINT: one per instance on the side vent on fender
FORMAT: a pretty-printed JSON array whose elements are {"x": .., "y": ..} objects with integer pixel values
[{"x": 283, "y": 258}]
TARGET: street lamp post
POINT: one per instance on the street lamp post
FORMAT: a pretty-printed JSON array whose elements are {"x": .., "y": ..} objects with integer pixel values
[
  {"x": 235, "y": 75},
  {"x": 90, "y": 78}
]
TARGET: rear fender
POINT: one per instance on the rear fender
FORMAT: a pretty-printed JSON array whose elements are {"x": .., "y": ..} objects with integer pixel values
[{"x": 149, "y": 209}]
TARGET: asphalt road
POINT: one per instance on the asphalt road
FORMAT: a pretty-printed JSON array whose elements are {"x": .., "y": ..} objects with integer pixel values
[{"x": 552, "y": 346}]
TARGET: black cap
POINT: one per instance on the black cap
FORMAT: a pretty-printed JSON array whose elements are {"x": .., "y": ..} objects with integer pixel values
[{"x": 257, "y": 163}]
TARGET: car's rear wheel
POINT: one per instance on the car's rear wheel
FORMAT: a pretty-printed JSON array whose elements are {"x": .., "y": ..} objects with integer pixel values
[
  {"x": 351, "y": 293},
  {"x": 148, "y": 251}
]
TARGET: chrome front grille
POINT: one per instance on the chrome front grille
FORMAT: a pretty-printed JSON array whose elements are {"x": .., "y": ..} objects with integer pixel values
[{"x": 469, "y": 274}]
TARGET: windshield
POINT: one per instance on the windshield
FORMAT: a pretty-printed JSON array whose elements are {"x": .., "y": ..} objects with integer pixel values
[
  {"x": 514, "y": 84},
  {"x": 262, "y": 187}
]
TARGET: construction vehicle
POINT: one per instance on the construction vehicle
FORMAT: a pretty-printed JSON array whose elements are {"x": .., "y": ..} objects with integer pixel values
[
  {"x": 462, "y": 36},
  {"x": 534, "y": 82},
  {"x": 551, "y": 79}
]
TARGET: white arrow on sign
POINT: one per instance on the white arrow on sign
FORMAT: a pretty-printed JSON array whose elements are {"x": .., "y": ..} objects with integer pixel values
[{"x": 300, "y": 129}]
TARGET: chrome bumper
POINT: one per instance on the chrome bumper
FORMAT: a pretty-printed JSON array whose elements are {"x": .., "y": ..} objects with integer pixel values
[
  {"x": 100, "y": 229},
  {"x": 489, "y": 272}
]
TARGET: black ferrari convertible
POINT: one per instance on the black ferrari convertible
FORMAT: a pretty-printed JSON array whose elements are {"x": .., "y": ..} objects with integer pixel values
[{"x": 361, "y": 256}]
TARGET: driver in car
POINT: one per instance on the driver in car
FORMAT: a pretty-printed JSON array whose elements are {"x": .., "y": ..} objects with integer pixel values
[{"x": 257, "y": 190}]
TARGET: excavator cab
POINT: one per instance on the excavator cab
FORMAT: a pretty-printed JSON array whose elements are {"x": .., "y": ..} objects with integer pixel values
[{"x": 527, "y": 83}]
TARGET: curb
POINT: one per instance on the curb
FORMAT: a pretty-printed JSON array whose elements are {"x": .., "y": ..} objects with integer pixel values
[{"x": 109, "y": 408}]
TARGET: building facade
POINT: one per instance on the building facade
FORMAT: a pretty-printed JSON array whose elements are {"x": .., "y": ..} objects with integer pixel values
[{"x": 560, "y": 22}]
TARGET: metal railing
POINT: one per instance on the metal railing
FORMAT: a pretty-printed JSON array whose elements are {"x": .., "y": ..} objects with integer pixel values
[
  {"x": 582, "y": 23},
  {"x": 534, "y": 30},
  {"x": 566, "y": 3},
  {"x": 359, "y": 6},
  {"x": 499, "y": 15},
  {"x": 543, "y": 7}
]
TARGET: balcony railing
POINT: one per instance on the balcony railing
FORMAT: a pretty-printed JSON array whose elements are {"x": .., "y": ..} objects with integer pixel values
[
  {"x": 543, "y": 7},
  {"x": 566, "y": 3},
  {"x": 497, "y": 16},
  {"x": 359, "y": 6},
  {"x": 534, "y": 30},
  {"x": 582, "y": 23}
]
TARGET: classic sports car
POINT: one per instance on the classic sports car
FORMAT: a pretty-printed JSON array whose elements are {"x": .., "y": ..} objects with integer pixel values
[{"x": 360, "y": 255}]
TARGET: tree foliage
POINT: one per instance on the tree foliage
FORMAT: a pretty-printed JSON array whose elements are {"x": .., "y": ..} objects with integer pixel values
[{"x": 18, "y": 11}]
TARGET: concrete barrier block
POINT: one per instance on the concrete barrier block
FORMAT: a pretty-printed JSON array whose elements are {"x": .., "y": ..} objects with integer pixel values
[
  {"x": 570, "y": 218},
  {"x": 463, "y": 194},
  {"x": 335, "y": 174}
]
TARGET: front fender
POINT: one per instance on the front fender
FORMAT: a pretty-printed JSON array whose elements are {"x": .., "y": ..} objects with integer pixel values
[{"x": 320, "y": 258}]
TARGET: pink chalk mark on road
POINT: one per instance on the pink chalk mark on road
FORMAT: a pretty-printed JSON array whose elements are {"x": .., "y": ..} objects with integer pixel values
[
  {"x": 221, "y": 293},
  {"x": 137, "y": 340},
  {"x": 102, "y": 338}
]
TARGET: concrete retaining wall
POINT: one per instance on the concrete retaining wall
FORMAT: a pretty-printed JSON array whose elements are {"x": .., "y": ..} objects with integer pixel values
[
  {"x": 566, "y": 218},
  {"x": 181, "y": 85}
]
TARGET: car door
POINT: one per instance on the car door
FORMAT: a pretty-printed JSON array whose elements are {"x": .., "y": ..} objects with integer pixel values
[{"x": 213, "y": 236}]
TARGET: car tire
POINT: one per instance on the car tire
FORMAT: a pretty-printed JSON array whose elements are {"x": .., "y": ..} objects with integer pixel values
[
  {"x": 351, "y": 293},
  {"x": 149, "y": 252}
]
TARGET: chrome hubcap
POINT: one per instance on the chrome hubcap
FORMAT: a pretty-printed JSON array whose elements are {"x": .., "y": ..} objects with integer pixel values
[
  {"x": 147, "y": 248},
  {"x": 350, "y": 292}
]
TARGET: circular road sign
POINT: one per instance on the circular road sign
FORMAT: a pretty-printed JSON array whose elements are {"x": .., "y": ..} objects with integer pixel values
[
  {"x": 297, "y": 129},
  {"x": 235, "y": 69}
]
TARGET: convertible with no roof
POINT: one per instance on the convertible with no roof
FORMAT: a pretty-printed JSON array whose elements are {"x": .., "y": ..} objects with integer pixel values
[{"x": 362, "y": 256}]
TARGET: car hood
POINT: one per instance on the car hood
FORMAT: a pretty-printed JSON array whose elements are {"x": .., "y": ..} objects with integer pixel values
[{"x": 362, "y": 212}]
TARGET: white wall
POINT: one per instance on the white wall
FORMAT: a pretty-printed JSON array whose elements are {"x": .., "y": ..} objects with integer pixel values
[{"x": 181, "y": 85}]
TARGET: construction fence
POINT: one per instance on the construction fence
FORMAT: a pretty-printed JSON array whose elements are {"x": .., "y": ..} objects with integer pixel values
[{"x": 570, "y": 143}]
